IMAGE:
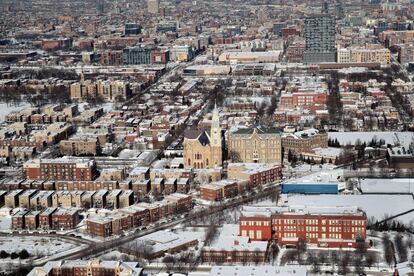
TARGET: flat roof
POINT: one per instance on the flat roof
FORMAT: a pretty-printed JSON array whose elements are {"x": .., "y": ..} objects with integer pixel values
[{"x": 265, "y": 270}]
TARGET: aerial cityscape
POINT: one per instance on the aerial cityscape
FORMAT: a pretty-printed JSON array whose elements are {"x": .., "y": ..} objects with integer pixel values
[{"x": 206, "y": 138}]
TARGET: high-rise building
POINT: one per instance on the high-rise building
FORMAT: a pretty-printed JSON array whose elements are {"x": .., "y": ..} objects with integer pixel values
[
  {"x": 153, "y": 6},
  {"x": 137, "y": 55},
  {"x": 132, "y": 29},
  {"x": 320, "y": 39}
]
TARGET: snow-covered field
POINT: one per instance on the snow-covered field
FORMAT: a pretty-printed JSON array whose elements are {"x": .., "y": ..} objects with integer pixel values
[
  {"x": 387, "y": 186},
  {"x": 5, "y": 109},
  {"x": 402, "y": 138},
  {"x": 37, "y": 246},
  {"x": 5, "y": 223},
  {"x": 377, "y": 206}
]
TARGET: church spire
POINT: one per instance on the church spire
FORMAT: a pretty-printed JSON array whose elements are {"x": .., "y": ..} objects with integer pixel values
[{"x": 215, "y": 131}]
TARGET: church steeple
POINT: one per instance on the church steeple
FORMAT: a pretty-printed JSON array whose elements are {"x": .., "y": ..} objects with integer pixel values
[{"x": 215, "y": 131}]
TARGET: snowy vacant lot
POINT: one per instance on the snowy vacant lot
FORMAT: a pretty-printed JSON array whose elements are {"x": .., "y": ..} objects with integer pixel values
[
  {"x": 377, "y": 206},
  {"x": 402, "y": 138},
  {"x": 5, "y": 108},
  {"x": 36, "y": 246}
]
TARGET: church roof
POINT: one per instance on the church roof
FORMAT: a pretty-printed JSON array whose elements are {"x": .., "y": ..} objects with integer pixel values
[
  {"x": 259, "y": 130},
  {"x": 192, "y": 133},
  {"x": 200, "y": 135}
]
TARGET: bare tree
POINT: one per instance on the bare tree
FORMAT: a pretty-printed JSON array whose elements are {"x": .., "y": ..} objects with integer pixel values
[
  {"x": 371, "y": 258},
  {"x": 234, "y": 156},
  {"x": 169, "y": 261},
  {"x": 401, "y": 248},
  {"x": 344, "y": 263},
  {"x": 313, "y": 260},
  {"x": 301, "y": 249},
  {"x": 211, "y": 234},
  {"x": 334, "y": 259},
  {"x": 388, "y": 250},
  {"x": 322, "y": 258},
  {"x": 289, "y": 256}
]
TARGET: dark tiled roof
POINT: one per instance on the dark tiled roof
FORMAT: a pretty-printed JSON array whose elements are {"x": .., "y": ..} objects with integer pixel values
[
  {"x": 192, "y": 133},
  {"x": 201, "y": 135},
  {"x": 259, "y": 130}
]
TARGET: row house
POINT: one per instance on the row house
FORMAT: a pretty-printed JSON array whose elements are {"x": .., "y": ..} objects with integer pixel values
[
  {"x": 255, "y": 173},
  {"x": 218, "y": 191},
  {"x": 49, "y": 218},
  {"x": 86, "y": 185}
]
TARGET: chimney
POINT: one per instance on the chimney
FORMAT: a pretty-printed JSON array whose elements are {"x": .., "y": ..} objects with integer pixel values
[{"x": 236, "y": 242}]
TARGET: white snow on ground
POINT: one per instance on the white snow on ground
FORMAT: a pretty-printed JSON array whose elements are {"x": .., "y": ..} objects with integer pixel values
[
  {"x": 402, "y": 138},
  {"x": 5, "y": 223},
  {"x": 387, "y": 186},
  {"x": 44, "y": 246},
  {"x": 377, "y": 206},
  {"x": 5, "y": 109}
]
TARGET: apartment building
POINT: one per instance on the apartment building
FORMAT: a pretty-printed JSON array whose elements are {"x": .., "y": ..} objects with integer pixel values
[
  {"x": 60, "y": 169},
  {"x": 218, "y": 191},
  {"x": 80, "y": 147},
  {"x": 255, "y": 173}
]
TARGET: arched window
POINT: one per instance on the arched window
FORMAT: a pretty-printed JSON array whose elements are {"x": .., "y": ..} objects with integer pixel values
[
  {"x": 189, "y": 161},
  {"x": 206, "y": 162}
]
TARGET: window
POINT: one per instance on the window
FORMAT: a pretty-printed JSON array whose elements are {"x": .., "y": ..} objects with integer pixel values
[{"x": 259, "y": 235}]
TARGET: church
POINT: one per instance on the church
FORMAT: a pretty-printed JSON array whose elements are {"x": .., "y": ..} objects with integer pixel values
[{"x": 203, "y": 149}]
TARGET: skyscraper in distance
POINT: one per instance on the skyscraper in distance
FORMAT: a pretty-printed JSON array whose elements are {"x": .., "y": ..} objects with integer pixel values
[
  {"x": 320, "y": 38},
  {"x": 153, "y": 6}
]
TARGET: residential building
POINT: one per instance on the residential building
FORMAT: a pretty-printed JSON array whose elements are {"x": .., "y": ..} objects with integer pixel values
[
  {"x": 255, "y": 173},
  {"x": 17, "y": 220},
  {"x": 93, "y": 267},
  {"x": 182, "y": 53},
  {"x": 60, "y": 169},
  {"x": 80, "y": 147},
  {"x": 320, "y": 39},
  {"x": 137, "y": 55},
  {"x": 65, "y": 218},
  {"x": 218, "y": 191}
]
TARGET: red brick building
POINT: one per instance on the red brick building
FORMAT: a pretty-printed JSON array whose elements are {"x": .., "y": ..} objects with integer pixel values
[
  {"x": 255, "y": 173},
  {"x": 302, "y": 99},
  {"x": 45, "y": 218},
  {"x": 18, "y": 221},
  {"x": 60, "y": 169},
  {"x": 87, "y": 185},
  {"x": 112, "y": 57},
  {"x": 181, "y": 202},
  {"x": 160, "y": 56},
  {"x": 218, "y": 191},
  {"x": 65, "y": 218},
  {"x": 230, "y": 248},
  {"x": 323, "y": 226}
]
